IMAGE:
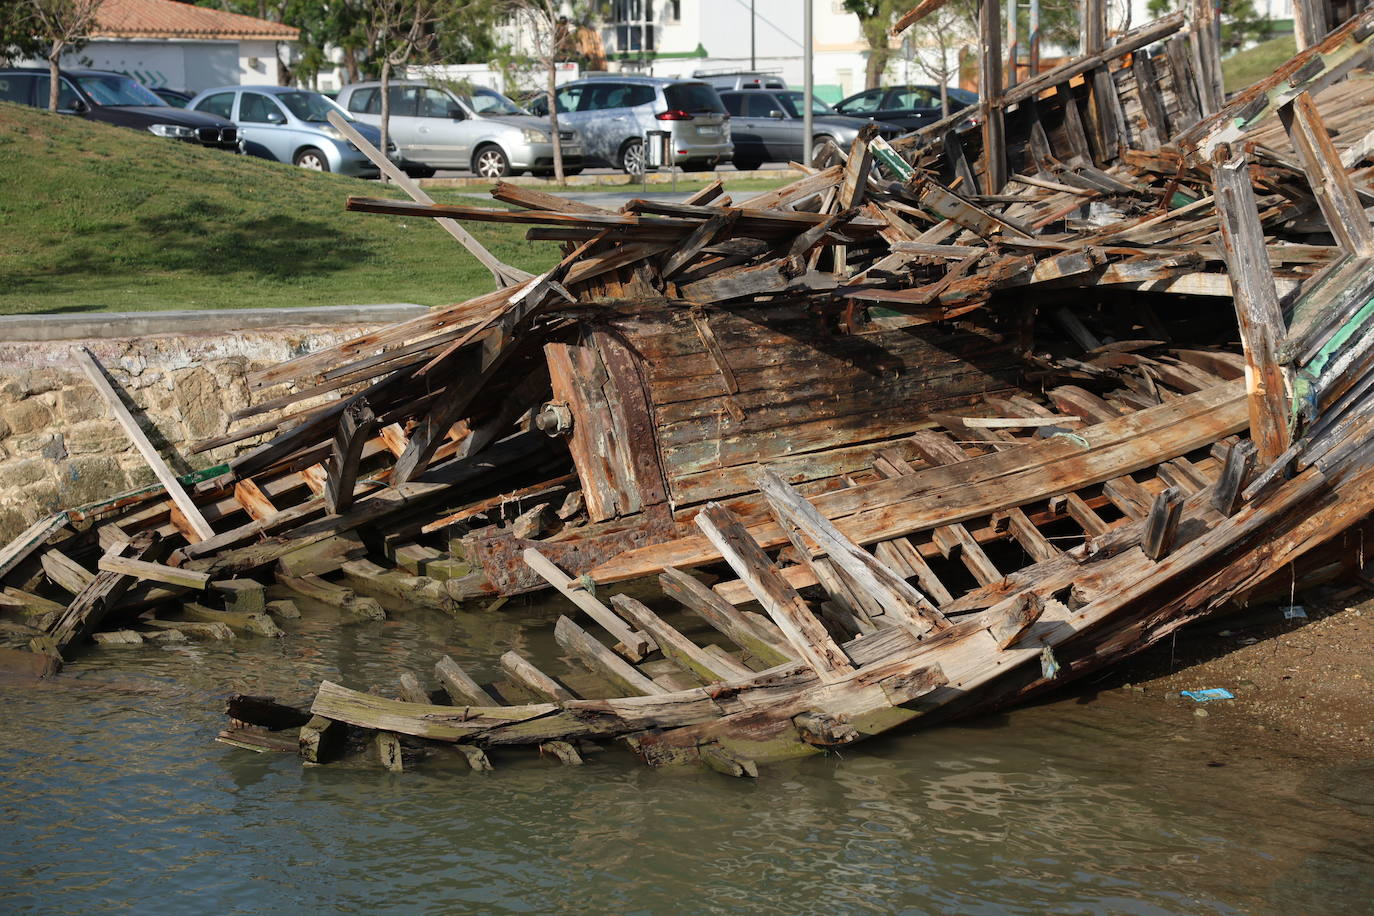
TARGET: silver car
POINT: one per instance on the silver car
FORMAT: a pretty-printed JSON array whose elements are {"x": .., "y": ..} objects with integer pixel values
[
  {"x": 613, "y": 114},
  {"x": 288, "y": 125},
  {"x": 481, "y": 130}
]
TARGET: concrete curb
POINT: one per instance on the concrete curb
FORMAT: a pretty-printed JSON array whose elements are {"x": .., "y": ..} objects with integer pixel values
[
  {"x": 613, "y": 181},
  {"x": 186, "y": 321}
]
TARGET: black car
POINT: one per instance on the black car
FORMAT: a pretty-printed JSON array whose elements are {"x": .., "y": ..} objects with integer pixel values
[
  {"x": 766, "y": 126},
  {"x": 174, "y": 97},
  {"x": 114, "y": 98},
  {"x": 908, "y": 107}
]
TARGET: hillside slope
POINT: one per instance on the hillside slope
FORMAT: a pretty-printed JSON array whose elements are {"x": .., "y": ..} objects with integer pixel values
[{"x": 102, "y": 218}]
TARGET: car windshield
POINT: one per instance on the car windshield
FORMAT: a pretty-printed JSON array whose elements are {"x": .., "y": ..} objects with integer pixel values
[
  {"x": 792, "y": 101},
  {"x": 311, "y": 106},
  {"x": 490, "y": 102},
  {"x": 113, "y": 89},
  {"x": 963, "y": 95}
]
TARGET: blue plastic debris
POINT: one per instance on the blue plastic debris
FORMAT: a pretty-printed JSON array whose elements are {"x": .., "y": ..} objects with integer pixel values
[
  {"x": 1294, "y": 612},
  {"x": 1211, "y": 693}
]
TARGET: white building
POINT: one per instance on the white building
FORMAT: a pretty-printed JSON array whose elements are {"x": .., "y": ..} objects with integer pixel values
[
  {"x": 162, "y": 43},
  {"x": 691, "y": 37}
]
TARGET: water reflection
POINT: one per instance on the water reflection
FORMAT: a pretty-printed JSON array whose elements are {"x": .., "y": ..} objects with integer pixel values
[{"x": 115, "y": 798}]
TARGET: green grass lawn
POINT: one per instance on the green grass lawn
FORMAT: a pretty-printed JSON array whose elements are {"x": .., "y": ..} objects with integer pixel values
[
  {"x": 100, "y": 218},
  {"x": 1248, "y": 66}
]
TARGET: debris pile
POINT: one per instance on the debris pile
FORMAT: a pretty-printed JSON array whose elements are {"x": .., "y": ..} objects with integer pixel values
[{"x": 963, "y": 416}]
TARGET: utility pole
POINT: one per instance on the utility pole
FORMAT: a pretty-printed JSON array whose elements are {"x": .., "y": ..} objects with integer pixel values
[
  {"x": 1011, "y": 43},
  {"x": 752, "y": 64},
  {"x": 808, "y": 82}
]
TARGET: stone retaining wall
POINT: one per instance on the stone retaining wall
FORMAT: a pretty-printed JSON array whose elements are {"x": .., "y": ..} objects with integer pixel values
[{"x": 59, "y": 444}]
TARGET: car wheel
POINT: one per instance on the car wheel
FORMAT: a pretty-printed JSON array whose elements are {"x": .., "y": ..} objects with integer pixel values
[
  {"x": 747, "y": 165},
  {"x": 313, "y": 159},
  {"x": 818, "y": 147},
  {"x": 576, "y": 171},
  {"x": 421, "y": 172},
  {"x": 699, "y": 165},
  {"x": 490, "y": 162},
  {"x": 632, "y": 157}
]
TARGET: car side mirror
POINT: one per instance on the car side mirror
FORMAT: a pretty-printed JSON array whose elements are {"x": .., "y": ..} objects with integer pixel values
[
  {"x": 776, "y": 115},
  {"x": 78, "y": 106},
  {"x": 276, "y": 117},
  {"x": 456, "y": 113}
]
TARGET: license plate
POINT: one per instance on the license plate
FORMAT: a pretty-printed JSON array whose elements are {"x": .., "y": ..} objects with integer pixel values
[
  {"x": 710, "y": 130},
  {"x": 570, "y": 149}
]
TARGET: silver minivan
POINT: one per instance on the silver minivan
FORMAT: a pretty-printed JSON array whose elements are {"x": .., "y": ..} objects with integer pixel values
[
  {"x": 482, "y": 130},
  {"x": 613, "y": 113}
]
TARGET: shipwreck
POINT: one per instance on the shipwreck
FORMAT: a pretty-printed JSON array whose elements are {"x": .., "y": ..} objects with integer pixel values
[{"x": 942, "y": 424}]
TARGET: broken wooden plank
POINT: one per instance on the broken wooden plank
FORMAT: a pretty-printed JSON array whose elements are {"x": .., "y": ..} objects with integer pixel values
[
  {"x": 804, "y": 633},
  {"x": 459, "y": 685},
  {"x": 96, "y": 374},
  {"x": 634, "y": 646},
  {"x": 1161, "y": 526},
  {"x": 154, "y": 572},
  {"x": 586, "y": 649}
]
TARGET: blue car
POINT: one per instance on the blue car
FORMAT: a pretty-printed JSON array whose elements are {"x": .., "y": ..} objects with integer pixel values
[{"x": 291, "y": 125}]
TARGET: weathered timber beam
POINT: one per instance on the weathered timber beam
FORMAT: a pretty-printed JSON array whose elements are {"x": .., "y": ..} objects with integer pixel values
[
  {"x": 787, "y": 609},
  {"x": 1330, "y": 182},
  {"x": 459, "y": 686},
  {"x": 724, "y": 616},
  {"x": 1161, "y": 525},
  {"x": 1258, "y": 314},
  {"x": 96, "y": 374},
  {"x": 588, "y": 650},
  {"x": 1309, "y": 70},
  {"x": 1235, "y": 473},
  {"x": 634, "y": 646},
  {"x": 356, "y": 425}
]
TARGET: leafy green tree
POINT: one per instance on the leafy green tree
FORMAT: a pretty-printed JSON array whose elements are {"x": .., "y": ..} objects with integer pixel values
[
  {"x": 1242, "y": 23},
  {"x": 17, "y": 37}
]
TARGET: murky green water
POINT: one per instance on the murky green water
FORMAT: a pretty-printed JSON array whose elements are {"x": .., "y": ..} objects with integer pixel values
[{"x": 115, "y": 797}]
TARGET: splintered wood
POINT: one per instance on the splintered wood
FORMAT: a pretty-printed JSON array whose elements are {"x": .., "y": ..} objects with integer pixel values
[{"x": 942, "y": 423}]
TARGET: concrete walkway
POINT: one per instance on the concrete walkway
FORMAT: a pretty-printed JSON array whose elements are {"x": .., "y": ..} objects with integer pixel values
[{"x": 185, "y": 321}]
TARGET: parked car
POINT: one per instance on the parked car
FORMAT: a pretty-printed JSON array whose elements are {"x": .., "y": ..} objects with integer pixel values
[
  {"x": 909, "y": 107},
  {"x": 290, "y": 125},
  {"x": 481, "y": 130},
  {"x": 612, "y": 113},
  {"x": 174, "y": 97},
  {"x": 101, "y": 95},
  {"x": 742, "y": 79},
  {"x": 768, "y": 126}
]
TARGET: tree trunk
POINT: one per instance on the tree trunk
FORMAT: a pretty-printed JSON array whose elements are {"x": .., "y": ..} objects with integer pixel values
[
  {"x": 944, "y": 90},
  {"x": 873, "y": 71},
  {"x": 54, "y": 85},
  {"x": 385, "y": 90},
  {"x": 350, "y": 62},
  {"x": 553, "y": 125}
]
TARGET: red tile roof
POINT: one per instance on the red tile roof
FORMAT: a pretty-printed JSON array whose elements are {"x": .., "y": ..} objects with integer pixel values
[{"x": 169, "y": 19}]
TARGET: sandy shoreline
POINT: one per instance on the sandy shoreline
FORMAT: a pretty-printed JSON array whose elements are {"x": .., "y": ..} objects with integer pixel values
[{"x": 1303, "y": 688}]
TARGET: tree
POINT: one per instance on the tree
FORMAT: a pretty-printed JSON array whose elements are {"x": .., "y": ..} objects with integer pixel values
[
  {"x": 875, "y": 21},
  {"x": 946, "y": 30},
  {"x": 62, "y": 25},
  {"x": 551, "y": 36},
  {"x": 17, "y": 38}
]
